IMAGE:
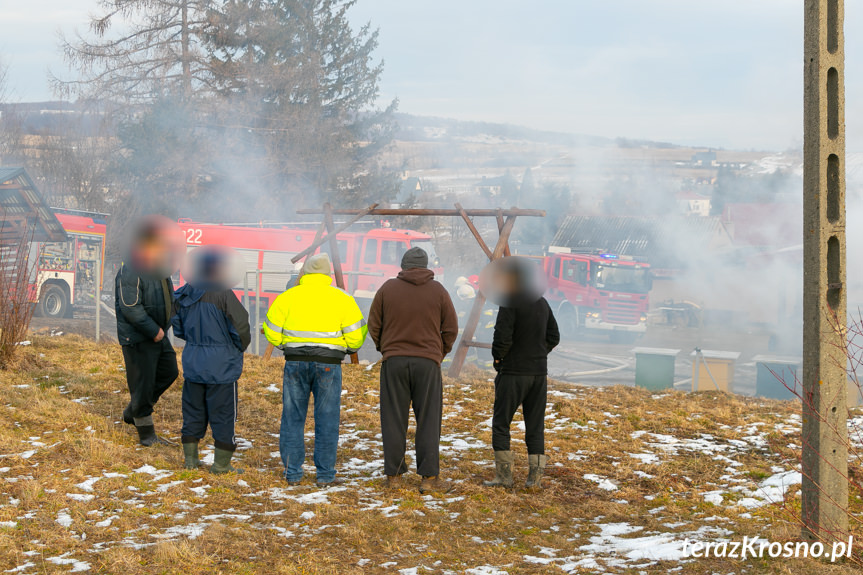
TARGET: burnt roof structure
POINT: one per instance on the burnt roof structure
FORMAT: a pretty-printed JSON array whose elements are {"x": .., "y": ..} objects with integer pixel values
[
  {"x": 666, "y": 242},
  {"x": 23, "y": 212}
]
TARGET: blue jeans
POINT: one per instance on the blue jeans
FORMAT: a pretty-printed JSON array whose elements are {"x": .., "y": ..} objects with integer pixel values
[{"x": 324, "y": 380}]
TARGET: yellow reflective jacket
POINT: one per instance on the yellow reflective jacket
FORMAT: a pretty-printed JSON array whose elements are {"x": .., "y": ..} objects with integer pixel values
[{"x": 315, "y": 321}]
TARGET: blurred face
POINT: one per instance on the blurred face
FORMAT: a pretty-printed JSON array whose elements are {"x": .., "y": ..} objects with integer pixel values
[
  {"x": 155, "y": 247},
  {"x": 213, "y": 267},
  {"x": 512, "y": 281}
]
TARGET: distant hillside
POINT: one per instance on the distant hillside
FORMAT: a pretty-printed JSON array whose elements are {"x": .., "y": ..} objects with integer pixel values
[{"x": 413, "y": 128}]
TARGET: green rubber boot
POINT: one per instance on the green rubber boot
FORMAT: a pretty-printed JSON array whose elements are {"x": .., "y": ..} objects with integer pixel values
[
  {"x": 190, "y": 453},
  {"x": 537, "y": 468},
  {"x": 222, "y": 462},
  {"x": 502, "y": 470}
]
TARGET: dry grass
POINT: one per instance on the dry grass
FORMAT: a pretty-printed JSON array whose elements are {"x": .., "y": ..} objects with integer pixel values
[{"x": 192, "y": 522}]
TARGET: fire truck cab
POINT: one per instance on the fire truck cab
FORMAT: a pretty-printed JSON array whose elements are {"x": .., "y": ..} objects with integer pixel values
[
  {"x": 69, "y": 273},
  {"x": 599, "y": 292}
]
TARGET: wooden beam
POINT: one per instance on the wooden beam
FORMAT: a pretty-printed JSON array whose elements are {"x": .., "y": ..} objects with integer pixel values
[
  {"x": 490, "y": 213},
  {"x": 473, "y": 229},
  {"x": 321, "y": 240}
]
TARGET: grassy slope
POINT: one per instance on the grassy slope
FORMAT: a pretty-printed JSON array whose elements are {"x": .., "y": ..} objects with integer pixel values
[{"x": 64, "y": 400}]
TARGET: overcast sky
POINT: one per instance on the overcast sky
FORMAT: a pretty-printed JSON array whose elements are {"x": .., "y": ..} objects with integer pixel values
[{"x": 711, "y": 73}]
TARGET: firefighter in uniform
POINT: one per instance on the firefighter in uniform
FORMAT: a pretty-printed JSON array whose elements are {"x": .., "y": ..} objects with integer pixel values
[{"x": 315, "y": 325}]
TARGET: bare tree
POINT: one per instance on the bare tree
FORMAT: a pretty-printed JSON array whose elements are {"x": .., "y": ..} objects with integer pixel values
[
  {"x": 16, "y": 271},
  {"x": 156, "y": 51}
]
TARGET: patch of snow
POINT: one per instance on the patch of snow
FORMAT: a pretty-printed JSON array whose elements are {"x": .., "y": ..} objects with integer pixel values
[
  {"x": 156, "y": 473},
  {"x": 602, "y": 482},
  {"x": 64, "y": 519},
  {"x": 88, "y": 484},
  {"x": 486, "y": 570},
  {"x": 81, "y": 496},
  {"x": 645, "y": 458},
  {"x": 64, "y": 559}
]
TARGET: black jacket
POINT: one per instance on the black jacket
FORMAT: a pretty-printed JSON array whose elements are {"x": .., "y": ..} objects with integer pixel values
[
  {"x": 141, "y": 307},
  {"x": 523, "y": 338},
  {"x": 215, "y": 326}
]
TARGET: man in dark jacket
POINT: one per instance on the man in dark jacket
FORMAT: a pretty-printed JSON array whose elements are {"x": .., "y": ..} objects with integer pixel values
[
  {"x": 215, "y": 326},
  {"x": 143, "y": 306},
  {"x": 524, "y": 335},
  {"x": 414, "y": 325}
]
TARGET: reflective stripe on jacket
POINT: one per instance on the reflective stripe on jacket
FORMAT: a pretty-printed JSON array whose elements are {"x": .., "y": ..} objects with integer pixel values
[{"x": 315, "y": 318}]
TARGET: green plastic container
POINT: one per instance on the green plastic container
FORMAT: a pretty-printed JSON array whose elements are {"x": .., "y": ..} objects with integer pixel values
[
  {"x": 654, "y": 367},
  {"x": 775, "y": 375}
]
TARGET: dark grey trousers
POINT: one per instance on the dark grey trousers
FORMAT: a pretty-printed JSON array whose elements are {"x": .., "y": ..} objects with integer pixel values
[
  {"x": 406, "y": 381},
  {"x": 510, "y": 392}
]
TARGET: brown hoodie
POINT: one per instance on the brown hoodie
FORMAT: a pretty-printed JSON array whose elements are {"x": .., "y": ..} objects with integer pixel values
[{"x": 412, "y": 315}]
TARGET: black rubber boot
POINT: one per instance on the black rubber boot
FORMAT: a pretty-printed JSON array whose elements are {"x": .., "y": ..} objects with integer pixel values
[
  {"x": 127, "y": 416},
  {"x": 147, "y": 436},
  {"x": 222, "y": 462}
]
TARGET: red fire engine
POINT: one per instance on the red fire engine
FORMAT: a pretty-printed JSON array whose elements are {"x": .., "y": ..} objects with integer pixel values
[
  {"x": 68, "y": 273},
  {"x": 368, "y": 258},
  {"x": 599, "y": 292}
]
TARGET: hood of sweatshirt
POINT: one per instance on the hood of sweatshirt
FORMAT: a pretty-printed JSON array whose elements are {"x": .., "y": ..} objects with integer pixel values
[
  {"x": 188, "y": 294},
  {"x": 416, "y": 276}
]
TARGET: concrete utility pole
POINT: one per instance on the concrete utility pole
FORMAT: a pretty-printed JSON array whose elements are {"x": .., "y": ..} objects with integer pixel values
[{"x": 825, "y": 381}]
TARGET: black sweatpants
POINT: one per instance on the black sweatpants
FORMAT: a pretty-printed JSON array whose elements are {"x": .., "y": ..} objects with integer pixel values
[
  {"x": 151, "y": 368},
  {"x": 510, "y": 392},
  {"x": 210, "y": 403},
  {"x": 406, "y": 381}
]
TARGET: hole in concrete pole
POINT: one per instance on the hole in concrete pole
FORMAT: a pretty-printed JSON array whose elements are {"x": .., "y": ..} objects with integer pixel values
[
  {"x": 832, "y": 103},
  {"x": 834, "y": 282},
  {"x": 834, "y": 207},
  {"x": 832, "y": 26}
]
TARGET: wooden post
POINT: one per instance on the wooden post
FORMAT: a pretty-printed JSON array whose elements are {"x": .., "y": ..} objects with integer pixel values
[
  {"x": 334, "y": 255},
  {"x": 466, "y": 340},
  {"x": 824, "y": 463},
  {"x": 499, "y": 217}
]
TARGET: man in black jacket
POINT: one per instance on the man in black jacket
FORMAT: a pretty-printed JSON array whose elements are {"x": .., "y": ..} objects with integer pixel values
[
  {"x": 524, "y": 335},
  {"x": 143, "y": 301}
]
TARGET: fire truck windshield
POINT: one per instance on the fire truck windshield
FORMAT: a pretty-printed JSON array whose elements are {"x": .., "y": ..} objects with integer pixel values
[
  {"x": 622, "y": 278},
  {"x": 428, "y": 247}
]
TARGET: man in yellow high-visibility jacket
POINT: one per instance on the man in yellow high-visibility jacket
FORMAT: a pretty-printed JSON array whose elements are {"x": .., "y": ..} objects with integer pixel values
[{"x": 315, "y": 325}]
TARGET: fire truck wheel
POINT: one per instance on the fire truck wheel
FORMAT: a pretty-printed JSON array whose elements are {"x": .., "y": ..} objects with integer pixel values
[
  {"x": 53, "y": 302},
  {"x": 568, "y": 321}
]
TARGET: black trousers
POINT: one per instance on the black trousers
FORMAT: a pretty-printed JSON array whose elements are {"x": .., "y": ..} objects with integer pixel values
[
  {"x": 210, "y": 404},
  {"x": 151, "y": 368},
  {"x": 406, "y": 381},
  {"x": 510, "y": 392}
]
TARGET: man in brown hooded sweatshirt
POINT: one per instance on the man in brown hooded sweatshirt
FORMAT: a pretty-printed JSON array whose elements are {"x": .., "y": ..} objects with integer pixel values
[{"x": 414, "y": 325}]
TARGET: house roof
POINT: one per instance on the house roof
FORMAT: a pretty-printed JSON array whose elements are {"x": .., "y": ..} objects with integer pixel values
[
  {"x": 664, "y": 241},
  {"x": 23, "y": 212}
]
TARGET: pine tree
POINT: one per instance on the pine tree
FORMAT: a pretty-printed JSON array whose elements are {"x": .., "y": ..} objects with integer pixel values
[{"x": 301, "y": 87}]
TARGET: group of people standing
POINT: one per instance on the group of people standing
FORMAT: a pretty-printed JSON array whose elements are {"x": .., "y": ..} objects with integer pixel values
[{"x": 412, "y": 323}]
